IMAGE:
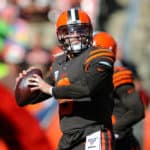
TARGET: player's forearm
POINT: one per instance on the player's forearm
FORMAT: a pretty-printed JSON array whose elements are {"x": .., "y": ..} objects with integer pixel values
[
  {"x": 73, "y": 91},
  {"x": 128, "y": 120}
]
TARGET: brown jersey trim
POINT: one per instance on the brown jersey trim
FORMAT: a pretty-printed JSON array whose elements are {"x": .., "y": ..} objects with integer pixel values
[
  {"x": 98, "y": 51},
  {"x": 121, "y": 73}
]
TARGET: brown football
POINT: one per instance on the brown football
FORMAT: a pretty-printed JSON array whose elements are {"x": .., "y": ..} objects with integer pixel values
[{"x": 23, "y": 94}]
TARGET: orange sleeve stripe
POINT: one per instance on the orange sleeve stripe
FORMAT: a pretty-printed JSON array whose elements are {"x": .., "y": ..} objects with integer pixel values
[
  {"x": 99, "y": 51},
  {"x": 121, "y": 73},
  {"x": 108, "y": 55},
  {"x": 123, "y": 77},
  {"x": 128, "y": 81},
  {"x": 122, "y": 80}
]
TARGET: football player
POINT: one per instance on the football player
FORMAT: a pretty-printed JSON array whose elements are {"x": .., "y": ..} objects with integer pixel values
[
  {"x": 128, "y": 109},
  {"x": 81, "y": 81}
]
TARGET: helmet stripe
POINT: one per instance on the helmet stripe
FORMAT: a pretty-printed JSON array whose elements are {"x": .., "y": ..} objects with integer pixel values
[{"x": 73, "y": 15}]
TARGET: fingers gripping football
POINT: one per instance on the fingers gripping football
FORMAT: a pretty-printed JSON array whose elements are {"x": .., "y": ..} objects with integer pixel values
[{"x": 37, "y": 83}]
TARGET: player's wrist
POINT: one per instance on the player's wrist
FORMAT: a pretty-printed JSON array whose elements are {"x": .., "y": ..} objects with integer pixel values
[{"x": 50, "y": 91}]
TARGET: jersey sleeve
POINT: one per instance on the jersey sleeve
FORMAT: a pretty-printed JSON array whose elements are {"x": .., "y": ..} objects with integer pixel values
[
  {"x": 130, "y": 99},
  {"x": 98, "y": 67}
]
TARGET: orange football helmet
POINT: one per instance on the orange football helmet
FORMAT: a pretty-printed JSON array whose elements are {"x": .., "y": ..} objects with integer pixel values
[
  {"x": 74, "y": 20},
  {"x": 105, "y": 40}
]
